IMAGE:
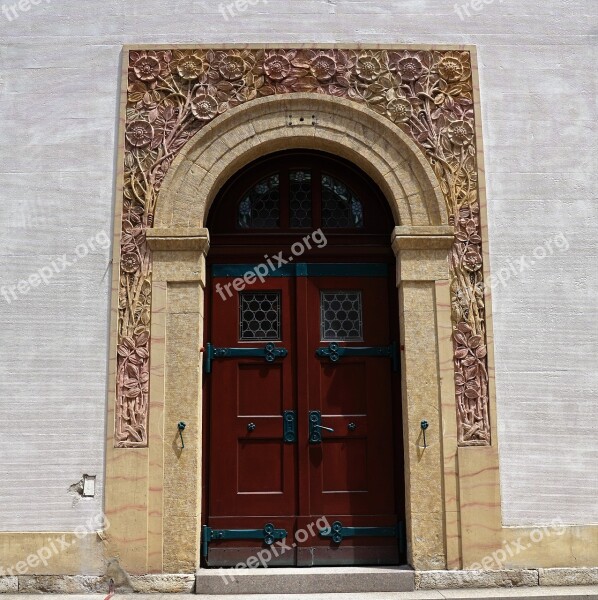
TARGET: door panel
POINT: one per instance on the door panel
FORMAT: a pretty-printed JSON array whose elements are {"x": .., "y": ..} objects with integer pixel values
[
  {"x": 255, "y": 477},
  {"x": 352, "y": 472},
  {"x": 252, "y": 470}
]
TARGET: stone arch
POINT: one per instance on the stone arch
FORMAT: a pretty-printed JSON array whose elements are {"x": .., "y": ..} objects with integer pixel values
[{"x": 305, "y": 120}]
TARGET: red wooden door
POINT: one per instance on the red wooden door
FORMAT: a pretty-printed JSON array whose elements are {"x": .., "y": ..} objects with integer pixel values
[
  {"x": 256, "y": 477},
  {"x": 253, "y": 471},
  {"x": 350, "y": 475}
]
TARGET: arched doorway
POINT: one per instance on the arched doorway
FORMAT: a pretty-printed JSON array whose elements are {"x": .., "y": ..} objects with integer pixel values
[{"x": 301, "y": 368}]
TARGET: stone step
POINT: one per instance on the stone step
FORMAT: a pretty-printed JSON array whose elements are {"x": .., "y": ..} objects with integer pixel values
[{"x": 314, "y": 580}]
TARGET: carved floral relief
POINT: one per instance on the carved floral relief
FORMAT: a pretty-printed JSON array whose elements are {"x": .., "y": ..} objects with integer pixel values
[{"x": 172, "y": 94}]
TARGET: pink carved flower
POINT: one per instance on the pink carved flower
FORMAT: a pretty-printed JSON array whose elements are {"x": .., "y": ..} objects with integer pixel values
[
  {"x": 472, "y": 259},
  {"x": 368, "y": 68},
  {"x": 460, "y": 133},
  {"x": 277, "y": 67},
  {"x": 204, "y": 107},
  {"x": 130, "y": 262},
  {"x": 410, "y": 68},
  {"x": 147, "y": 67},
  {"x": 232, "y": 67},
  {"x": 323, "y": 67},
  {"x": 140, "y": 133},
  {"x": 399, "y": 110}
]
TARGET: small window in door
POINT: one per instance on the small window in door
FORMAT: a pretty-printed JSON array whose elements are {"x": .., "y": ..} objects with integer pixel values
[
  {"x": 259, "y": 315},
  {"x": 341, "y": 316}
]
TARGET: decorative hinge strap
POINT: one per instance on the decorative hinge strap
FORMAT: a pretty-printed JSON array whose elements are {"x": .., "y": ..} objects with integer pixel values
[
  {"x": 337, "y": 532},
  {"x": 335, "y": 352},
  {"x": 268, "y": 534},
  {"x": 269, "y": 352}
]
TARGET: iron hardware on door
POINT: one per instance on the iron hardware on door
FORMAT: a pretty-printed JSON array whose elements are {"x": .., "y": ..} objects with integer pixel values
[
  {"x": 335, "y": 352},
  {"x": 337, "y": 532},
  {"x": 269, "y": 534},
  {"x": 269, "y": 352},
  {"x": 289, "y": 420},
  {"x": 315, "y": 427}
]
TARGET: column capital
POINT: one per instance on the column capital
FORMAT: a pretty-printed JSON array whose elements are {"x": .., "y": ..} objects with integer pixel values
[
  {"x": 414, "y": 237},
  {"x": 422, "y": 252},
  {"x": 179, "y": 238}
]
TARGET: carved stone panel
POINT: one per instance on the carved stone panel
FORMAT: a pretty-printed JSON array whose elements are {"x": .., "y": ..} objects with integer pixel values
[{"x": 172, "y": 94}]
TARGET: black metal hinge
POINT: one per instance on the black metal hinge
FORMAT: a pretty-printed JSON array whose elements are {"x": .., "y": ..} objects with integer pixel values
[
  {"x": 268, "y": 534},
  {"x": 337, "y": 532},
  {"x": 335, "y": 352},
  {"x": 270, "y": 352}
]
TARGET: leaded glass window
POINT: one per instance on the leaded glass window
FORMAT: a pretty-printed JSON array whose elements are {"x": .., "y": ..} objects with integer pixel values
[
  {"x": 341, "y": 315},
  {"x": 260, "y": 207},
  {"x": 300, "y": 200},
  {"x": 259, "y": 315},
  {"x": 340, "y": 207}
]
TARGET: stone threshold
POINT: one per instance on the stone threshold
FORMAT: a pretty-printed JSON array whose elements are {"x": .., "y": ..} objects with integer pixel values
[{"x": 328, "y": 580}]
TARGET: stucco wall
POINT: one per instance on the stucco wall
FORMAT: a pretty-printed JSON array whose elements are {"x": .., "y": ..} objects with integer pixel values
[{"x": 58, "y": 101}]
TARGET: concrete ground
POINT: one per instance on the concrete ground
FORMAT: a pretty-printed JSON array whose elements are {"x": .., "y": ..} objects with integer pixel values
[{"x": 558, "y": 593}]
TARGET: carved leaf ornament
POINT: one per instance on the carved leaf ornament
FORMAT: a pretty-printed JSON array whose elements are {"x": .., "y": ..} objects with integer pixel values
[{"x": 172, "y": 94}]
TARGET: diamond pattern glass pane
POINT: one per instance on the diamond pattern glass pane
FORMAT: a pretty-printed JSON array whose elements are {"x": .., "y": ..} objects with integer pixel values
[
  {"x": 341, "y": 315},
  {"x": 340, "y": 207},
  {"x": 260, "y": 207},
  {"x": 260, "y": 316},
  {"x": 300, "y": 189}
]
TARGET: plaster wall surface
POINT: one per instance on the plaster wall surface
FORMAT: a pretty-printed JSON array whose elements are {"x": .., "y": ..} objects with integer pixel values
[{"x": 60, "y": 66}]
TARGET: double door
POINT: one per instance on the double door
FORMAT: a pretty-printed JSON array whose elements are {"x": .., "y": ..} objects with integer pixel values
[{"x": 301, "y": 419}]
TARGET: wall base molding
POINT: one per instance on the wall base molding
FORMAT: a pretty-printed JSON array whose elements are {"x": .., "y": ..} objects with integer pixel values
[{"x": 262, "y": 581}]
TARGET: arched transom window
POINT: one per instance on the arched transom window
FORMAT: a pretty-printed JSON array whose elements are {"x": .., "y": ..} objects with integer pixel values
[{"x": 308, "y": 199}]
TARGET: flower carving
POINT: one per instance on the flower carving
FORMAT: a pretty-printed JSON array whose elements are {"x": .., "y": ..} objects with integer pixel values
[
  {"x": 400, "y": 110},
  {"x": 323, "y": 67},
  {"x": 140, "y": 134},
  {"x": 451, "y": 68},
  {"x": 147, "y": 67},
  {"x": 368, "y": 68},
  {"x": 410, "y": 68},
  {"x": 129, "y": 262},
  {"x": 204, "y": 107},
  {"x": 472, "y": 259},
  {"x": 172, "y": 94},
  {"x": 277, "y": 67},
  {"x": 232, "y": 67},
  {"x": 190, "y": 65},
  {"x": 460, "y": 132}
]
